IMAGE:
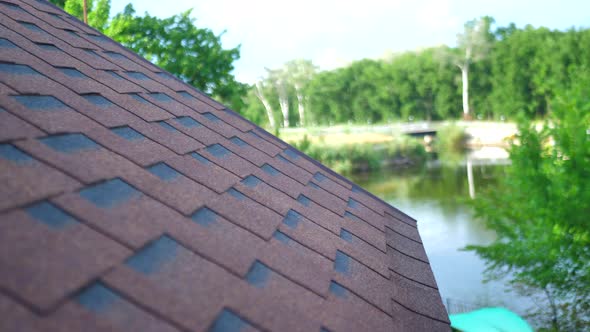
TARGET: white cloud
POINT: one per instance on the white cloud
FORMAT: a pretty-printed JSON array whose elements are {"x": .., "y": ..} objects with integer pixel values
[{"x": 330, "y": 58}]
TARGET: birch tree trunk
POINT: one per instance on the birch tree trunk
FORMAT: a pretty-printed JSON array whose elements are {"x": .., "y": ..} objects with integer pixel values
[
  {"x": 465, "y": 82},
  {"x": 266, "y": 104},
  {"x": 284, "y": 103},
  {"x": 300, "y": 106}
]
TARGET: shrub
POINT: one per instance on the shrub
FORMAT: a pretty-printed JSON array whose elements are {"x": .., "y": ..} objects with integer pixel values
[{"x": 364, "y": 157}]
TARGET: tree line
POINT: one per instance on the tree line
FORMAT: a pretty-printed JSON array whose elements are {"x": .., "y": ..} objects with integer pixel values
[{"x": 489, "y": 75}]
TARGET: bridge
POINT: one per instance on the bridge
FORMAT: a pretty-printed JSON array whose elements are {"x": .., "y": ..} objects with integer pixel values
[{"x": 482, "y": 133}]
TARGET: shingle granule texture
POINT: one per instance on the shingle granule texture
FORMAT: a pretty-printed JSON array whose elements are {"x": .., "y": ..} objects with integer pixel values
[{"x": 129, "y": 201}]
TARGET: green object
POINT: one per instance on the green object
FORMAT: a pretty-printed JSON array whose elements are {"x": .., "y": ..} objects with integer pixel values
[{"x": 489, "y": 320}]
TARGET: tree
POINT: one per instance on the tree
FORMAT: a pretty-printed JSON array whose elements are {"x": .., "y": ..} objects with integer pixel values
[
  {"x": 540, "y": 213},
  {"x": 299, "y": 73},
  {"x": 260, "y": 94},
  {"x": 59, "y": 3},
  {"x": 279, "y": 79},
  {"x": 472, "y": 45},
  {"x": 98, "y": 11},
  {"x": 177, "y": 45},
  {"x": 195, "y": 55}
]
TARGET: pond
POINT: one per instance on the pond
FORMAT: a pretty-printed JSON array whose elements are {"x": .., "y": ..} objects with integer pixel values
[{"x": 437, "y": 196}]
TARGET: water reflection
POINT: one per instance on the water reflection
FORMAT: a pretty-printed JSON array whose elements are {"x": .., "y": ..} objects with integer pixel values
[{"x": 436, "y": 196}]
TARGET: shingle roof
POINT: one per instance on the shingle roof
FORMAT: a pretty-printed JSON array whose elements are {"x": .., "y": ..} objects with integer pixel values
[{"x": 130, "y": 201}]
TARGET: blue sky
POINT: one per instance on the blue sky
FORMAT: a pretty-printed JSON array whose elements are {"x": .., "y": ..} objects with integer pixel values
[{"x": 334, "y": 32}]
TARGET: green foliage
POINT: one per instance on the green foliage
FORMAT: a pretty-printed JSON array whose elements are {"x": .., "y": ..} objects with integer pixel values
[
  {"x": 98, "y": 11},
  {"x": 540, "y": 213},
  {"x": 349, "y": 158},
  {"x": 253, "y": 109},
  {"x": 59, "y": 3},
  {"x": 193, "y": 54},
  {"x": 408, "y": 86},
  {"x": 515, "y": 70},
  {"x": 450, "y": 144}
]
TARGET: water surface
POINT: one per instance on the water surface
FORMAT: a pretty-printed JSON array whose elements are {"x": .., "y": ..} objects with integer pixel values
[{"x": 437, "y": 197}]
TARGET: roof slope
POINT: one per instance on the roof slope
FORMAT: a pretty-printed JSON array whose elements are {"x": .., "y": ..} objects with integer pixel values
[{"x": 129, "y": 201}]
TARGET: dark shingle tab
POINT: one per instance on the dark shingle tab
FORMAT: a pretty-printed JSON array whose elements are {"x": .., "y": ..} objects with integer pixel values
[
  {"x": 11, "y": 68},
  {"x": 270, "y": 170},
  {"x": 319, "y": 177},
  {"x": 342, "y": 263},
  {"x": 303, "y": 200},
  {"x": 48, "y": 47},
  {"x": 283, "y": 159},
  {"x": 11, "y": 6},
  {"x": 227, "y": 321},
  {"x": 114, "y": 55},
  {"x": 97, "y": 298},
  {"x": 258, "y": 275},
  {"x": 352, "y": 203},
  {"x": 254, "y": 134},
  {"x": 211, "y": 117},
  {"x": 137, "y": 75},
  {"x": 152, "y": 257},
  {"x": 110, "y": 193},
  {"x": 291, "y": 153},
  {"x": 292, "y": 219},
  {"x": 98, "y": 38},
  {"x": 237, "y": 141},
  {"x": 236, "y": 194},
  {"x": 128, "y": 133},
  {"x": 186, "y": 95},
  {"x": 346, "y": 235},
  {"x": 6, "y": 43},
  {"x": 97, "y": 100},
  {"x": 251, "y": 181},
  {"x": 161, "y": 97},
  {"x": 338, "y": 290},
  {"x": 164, "y": 172},
  {"x": 50, "y": 215},
  {"x": 139, "y": 98},
  {"x": 91, "y": 53},
  {"x": 351, "y": 216},
  {"x": 313, "y": 185},
  {"x": 200, "y": 158},
  {"x": 72, "y": 72},
  {"x": 187, "y": 121},
  {"x": 114, "y": 74},
  {"x": 56, "y": 16},
  {"x": 204, "y": 216},
  {"x": 31, "y": 26},
  {"x": 70, "y": 143},
  {"x": 40, "y": 103},
  {"x": 163, "y": 75},
  {"x": 167, "y": 126},
  {"x": 71, "y": 32},
  {"x": 10, "y": 152},
  {"x": 218, "y": 150},
  {"x": 282, "y": 237}
]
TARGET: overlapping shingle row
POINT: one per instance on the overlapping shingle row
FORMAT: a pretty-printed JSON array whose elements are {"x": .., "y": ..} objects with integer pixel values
[{"x": 131, "y": 202}]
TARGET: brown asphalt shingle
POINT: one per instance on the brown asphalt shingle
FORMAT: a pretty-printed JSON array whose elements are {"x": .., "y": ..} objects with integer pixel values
[{"x": 130, "y": 201}]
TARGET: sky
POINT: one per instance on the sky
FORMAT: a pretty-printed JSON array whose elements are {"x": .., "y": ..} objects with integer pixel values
[{"x": 332, "y": 33}]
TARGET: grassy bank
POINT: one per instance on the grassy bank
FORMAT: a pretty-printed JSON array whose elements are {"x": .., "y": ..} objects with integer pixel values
[
  {"x": 364, "y": 157},
  {"x": 355, "y": 149}
]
